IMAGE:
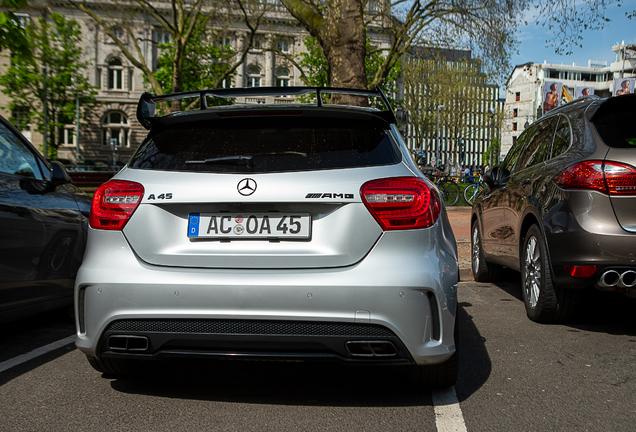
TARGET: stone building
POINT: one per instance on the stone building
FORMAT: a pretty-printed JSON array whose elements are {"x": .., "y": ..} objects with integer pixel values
[{"x": 114, "y": 132}]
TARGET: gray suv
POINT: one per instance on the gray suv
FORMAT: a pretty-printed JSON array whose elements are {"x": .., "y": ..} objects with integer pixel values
[
  {"x": 283, "y": 232},
  {"x": 561, "y": 207}
]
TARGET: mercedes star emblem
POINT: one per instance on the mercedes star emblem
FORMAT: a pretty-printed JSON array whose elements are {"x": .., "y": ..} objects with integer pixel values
[{"x": 246, "y": 187}]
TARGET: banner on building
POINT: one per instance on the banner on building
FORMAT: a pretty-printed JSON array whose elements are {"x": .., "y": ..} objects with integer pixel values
[
  {"x": 582, "y": 91},
  {"x": 551, "y": 95},
  {"x": 623, "y": 86}
]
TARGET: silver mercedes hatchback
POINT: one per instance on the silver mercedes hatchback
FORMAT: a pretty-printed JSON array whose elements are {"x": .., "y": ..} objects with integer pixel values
[{"x": 281, "y": 232}]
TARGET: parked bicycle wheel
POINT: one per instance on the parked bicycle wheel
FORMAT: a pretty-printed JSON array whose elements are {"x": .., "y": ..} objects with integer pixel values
[
  {"x": 470, "y": 193},
  {"x": 449, "y": 191}
]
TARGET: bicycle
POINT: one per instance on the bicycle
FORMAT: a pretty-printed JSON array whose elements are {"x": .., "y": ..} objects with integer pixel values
[
  {"x": 448, "y": 189},
  {"x": 472, "y": 190}
]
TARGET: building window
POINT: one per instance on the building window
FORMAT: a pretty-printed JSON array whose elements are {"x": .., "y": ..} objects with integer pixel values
[
  {"x": 253, "y": 76},
  {"x": 68, "y": 135},
  {"x": 517, "y": 96},
  {"x": 514, "y": 126},
  {"x": 163, "y": 37},
  {"x": 115, "y": 130},
  {"x": 23, "y": 19},
  {"x": 227, "y": 41},
  {"x": 283, "y": 46},
  {"x": 282, "y": 77},
  {"x": 258, "y": 43},
  {"x": 515, "y": 112},
  {"x": 115, "y": 74},
  {"x": 20, "y": 117}
]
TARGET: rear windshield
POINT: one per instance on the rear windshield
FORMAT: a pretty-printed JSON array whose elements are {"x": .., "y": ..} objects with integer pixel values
[
  {"x": 617, "y": 127},
  {"x": 274, "y": 144}
]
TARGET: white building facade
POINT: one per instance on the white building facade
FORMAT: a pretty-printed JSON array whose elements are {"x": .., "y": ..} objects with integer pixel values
[{"x": 526, "y": 88}]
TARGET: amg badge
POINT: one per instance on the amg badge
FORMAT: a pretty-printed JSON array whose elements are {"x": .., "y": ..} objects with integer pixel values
[{"x": 329, "y": 195}]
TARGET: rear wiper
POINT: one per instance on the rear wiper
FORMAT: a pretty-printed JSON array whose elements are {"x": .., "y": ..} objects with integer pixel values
[{"x": 228, "y": 160}]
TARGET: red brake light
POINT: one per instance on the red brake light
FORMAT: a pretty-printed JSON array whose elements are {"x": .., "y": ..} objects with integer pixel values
[
  {"x": 113, "y": 204},
  {"x": 401, "y": 203},
  {"x": 610, "y": 178},
  {"x": 621, "y": 178}
]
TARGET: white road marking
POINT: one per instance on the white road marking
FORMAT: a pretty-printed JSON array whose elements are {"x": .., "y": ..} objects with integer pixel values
[
  {"x": 8, "y": 364},
  {"x": 448, "y": 414}
]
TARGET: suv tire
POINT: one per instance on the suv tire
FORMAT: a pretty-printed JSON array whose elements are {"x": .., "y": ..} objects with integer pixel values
[
  {"x": 483, "y": 271},
  {"x": 544, "y": 301}
]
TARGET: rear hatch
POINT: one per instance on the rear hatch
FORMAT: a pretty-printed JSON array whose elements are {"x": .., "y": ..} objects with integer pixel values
[
  {"x": 263, "y": 191},
  {"x": 615, "y": 121}
]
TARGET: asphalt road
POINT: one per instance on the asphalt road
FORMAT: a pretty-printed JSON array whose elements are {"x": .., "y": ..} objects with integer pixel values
[{"x": 515, "y": 375}]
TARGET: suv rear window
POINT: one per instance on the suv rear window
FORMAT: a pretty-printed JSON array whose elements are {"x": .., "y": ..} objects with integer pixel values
[
  {"x": 271, "y": 144},
  {"x": 617, "y": 127}
]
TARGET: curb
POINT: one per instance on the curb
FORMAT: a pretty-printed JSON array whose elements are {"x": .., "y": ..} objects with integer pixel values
[{"x": 466, "y": 275}]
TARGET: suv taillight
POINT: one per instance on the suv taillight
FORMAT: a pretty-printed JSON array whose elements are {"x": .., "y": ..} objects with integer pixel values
[
  {"x": 114, "y": 203},
  {"x": 401, "y": 203},
  {"x": 610, "y": 178}
]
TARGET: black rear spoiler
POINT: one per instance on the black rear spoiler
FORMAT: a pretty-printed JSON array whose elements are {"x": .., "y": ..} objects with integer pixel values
[{"x": 148, "y": 102}]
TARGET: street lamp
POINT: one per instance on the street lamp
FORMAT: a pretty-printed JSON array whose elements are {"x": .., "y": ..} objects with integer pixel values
[{"x": 437, "y": 143}]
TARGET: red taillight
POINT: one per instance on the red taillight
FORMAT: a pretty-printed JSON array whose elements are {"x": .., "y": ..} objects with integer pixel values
[
  {"x": 401, "y": 203},
  {"x": 580, "y": 271},
  {"x": 113, "y": 204},
  {"x": 621, "y": 178},
  {"x": 610, "y": 178}
]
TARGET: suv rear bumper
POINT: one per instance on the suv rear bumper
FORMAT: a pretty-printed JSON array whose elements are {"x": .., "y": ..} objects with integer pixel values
[
  {"x": 588, "y": 234},
  {"x": 410, "y": 294}
]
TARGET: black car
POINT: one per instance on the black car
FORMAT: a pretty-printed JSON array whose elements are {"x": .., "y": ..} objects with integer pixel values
[
  {"x": 43, "y": 226},
  {"x": 561, "y": 208}
]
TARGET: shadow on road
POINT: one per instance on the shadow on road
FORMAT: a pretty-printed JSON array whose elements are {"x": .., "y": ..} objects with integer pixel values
[
  {"x": 597, "y": 311},
  {"x": 308, "y": 383}
]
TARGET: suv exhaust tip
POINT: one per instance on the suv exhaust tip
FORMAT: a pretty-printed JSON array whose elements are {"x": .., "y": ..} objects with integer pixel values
[
  {"x": 371, "y": 349},
  {"x": 609, "y": 279}
]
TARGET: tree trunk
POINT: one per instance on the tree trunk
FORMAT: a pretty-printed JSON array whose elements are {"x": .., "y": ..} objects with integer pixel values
[
  {"x": 177, "y": 77},
  {"x": 344, "y": 45},
  {"x": 342, "y": 36}
]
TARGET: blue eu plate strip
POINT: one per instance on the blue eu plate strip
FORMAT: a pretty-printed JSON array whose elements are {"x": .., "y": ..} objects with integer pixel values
[{"x": 193, "y": 225}]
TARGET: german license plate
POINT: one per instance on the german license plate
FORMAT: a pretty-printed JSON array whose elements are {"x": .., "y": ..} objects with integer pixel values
[{"x": 249, "y": 226}]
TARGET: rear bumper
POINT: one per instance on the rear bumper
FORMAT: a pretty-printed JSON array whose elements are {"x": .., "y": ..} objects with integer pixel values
[
  {"x": 411, "y": 297},
  {"x": 586, "y": 232}
]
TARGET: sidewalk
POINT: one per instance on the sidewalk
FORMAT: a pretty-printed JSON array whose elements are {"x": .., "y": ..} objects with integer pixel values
[{"x": 460, "y": 222}]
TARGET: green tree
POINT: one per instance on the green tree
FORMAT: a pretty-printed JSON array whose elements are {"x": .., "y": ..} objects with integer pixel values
[
  {"x": 12, "y": 34},
  {"x": 459, "y": 86},
  {"x": 340, "y": 28},
  {"x": 491, "y": 155},
  {"x": 56, "y": 48},
  {"x": 207, "y": 62},
  {"x": 314, "y": 68},
  {"x": 180, "y": 19}
]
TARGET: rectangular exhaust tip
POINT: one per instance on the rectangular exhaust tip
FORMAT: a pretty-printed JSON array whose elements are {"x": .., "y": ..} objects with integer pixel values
[
  {"x": 128, "y": 343},
  {"x": 371, "y": 349}
]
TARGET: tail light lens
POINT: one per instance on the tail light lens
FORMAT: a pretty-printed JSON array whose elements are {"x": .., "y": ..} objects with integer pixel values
[
  {"x": 610, "y": 178},
  {"x": 401, "y": 203},
  {"x": 114, "y": 203}
]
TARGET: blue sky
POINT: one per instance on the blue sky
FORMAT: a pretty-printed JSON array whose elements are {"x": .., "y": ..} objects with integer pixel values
[{"x": 597, "y": 45}]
